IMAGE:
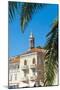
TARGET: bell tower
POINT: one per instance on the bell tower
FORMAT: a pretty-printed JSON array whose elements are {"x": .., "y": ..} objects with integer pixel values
[{"x": 32, "y": 41}]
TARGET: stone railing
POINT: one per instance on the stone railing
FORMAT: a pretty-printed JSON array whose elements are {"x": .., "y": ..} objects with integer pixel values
[
  {"x": 33, "y": 66},
  {"x": 24, "y": 67}
]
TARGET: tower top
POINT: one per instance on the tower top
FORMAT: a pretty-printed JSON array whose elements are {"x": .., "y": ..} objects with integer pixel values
[
  {"x": 31, "y": 35},
  {"x": 32, "y": 40}
]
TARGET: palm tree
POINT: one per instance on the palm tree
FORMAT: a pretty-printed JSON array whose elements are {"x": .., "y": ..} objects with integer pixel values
[
  {"x": 51, "y": 62},
  {"x": 27, "y": 11}
]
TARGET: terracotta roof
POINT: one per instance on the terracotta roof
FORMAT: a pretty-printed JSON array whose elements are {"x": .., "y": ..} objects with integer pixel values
[
  {"x": 33, "y": 50},
  {"x": 37, "y": 50},
  {"x": 16, "y": 59}
]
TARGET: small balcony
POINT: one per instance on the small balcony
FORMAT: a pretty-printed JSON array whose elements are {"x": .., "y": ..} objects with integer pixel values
[
  {"x": 24, "y": 67},
  {"x": 33, "y": 66},
  {"x": 33, "y": 78},
  {"x": 24, "y": 79}
]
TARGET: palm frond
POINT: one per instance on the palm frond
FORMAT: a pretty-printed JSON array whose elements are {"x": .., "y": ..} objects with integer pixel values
[
  {"x": 12, "y": 6},
  {"x": 28, "y": 9},
  {"x": 54, "y": 26},
  {"x": 51, "y": 57}
]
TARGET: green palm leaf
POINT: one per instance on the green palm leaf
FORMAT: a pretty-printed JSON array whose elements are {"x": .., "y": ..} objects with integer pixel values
[
  {"x": 28, "y": 9},
  {"x": 51, "y": 57},
  {"x": 11, "y": 8}
]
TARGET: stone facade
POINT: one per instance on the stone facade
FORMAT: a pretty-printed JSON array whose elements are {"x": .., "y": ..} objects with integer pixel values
[{"x": 27, "y": 69}]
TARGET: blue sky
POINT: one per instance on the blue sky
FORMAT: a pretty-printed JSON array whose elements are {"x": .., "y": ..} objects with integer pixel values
[{"x": 40, "y": 25}]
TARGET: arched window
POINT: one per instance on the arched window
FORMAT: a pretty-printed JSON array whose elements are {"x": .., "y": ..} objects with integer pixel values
[
  {"x": 25, "y": 62},
  {"x": 33, "y": 60}
]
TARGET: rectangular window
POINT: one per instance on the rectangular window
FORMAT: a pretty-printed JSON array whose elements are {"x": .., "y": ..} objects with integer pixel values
[
  {"x": 17, "y": 66},
  {"x": 15, "y": 76},
  {"x": 10, "y": 77},
  {"x": 33, "y": 71},
  {"x": 25, "y": 74}
]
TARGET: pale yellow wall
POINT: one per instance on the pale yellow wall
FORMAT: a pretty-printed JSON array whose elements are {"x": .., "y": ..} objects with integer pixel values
[
  {"x": 20, "y": 73},
  {"x": 29, "y": 58}
]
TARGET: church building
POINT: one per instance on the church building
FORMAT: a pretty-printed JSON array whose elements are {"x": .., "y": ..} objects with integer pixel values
[{"x": 27, "y": 69}]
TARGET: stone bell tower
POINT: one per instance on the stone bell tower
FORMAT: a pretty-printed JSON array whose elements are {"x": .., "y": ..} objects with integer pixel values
[{"x": 32, "y": 41}]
